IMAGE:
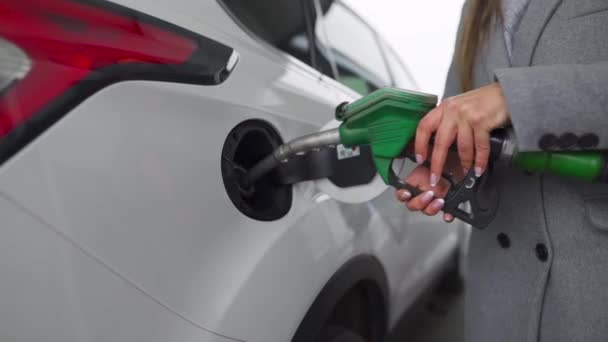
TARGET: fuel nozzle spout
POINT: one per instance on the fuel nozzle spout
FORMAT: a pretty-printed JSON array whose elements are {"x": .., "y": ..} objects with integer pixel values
[{"x": 299, "y": 145}]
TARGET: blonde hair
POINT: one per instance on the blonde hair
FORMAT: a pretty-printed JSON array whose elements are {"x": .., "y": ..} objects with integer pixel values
[{"x": 476, "y": 27}]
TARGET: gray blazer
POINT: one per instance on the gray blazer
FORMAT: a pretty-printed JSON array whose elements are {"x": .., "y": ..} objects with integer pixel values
[{"x": 540, "y": 270}]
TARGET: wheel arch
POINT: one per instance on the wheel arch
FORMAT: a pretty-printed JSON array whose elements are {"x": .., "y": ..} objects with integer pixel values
[{"x": 361, "y": 273}]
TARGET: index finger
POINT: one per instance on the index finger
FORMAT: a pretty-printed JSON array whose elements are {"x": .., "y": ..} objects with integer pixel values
[
  {"x": 443, "y": 140},
  {"x": 426, "y": 127}
]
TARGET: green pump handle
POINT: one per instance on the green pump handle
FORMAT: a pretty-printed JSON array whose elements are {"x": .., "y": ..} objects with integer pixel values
[{"x": 386, "y": 120}]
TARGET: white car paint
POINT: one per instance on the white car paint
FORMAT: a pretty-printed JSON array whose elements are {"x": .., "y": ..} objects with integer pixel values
[{"x": 116, "y": 225}]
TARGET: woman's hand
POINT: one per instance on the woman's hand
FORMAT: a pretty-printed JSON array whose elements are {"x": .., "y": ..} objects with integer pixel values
[
  {"x": 430, "y": 201},
  {"x": 468, "y": 118}
]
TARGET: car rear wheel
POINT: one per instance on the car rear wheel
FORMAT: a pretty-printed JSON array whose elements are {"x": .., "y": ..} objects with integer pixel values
[
  {"x": 338, "y": 334},
  {"x": 351, "y": 307}
]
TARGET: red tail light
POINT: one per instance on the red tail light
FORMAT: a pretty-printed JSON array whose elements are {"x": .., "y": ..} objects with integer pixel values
[{"x": 55, "y": 53}]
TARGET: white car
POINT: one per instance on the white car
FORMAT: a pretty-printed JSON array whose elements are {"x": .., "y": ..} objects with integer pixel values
[{"x": 121, "y": 126}]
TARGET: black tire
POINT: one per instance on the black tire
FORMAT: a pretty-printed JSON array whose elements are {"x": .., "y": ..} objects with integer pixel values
[
  {"x": 354, "y": 299},
  {"x": 338, "y": 334}
]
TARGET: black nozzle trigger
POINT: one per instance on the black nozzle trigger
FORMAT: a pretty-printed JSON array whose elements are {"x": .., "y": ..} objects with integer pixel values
[
  {"x": 397, "y": 183},
  {"x": 462, "y": 196},
  {"x": 467, "y": 195}
]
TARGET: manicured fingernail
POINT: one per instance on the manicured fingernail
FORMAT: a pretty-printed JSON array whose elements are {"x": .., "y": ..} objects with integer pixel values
[
  {"x": 437, "y": 204},
  {"x": 419, "y": 159},
  {"x": 434, "y": 179},
  {"x": 465, "y": 170},
  {"x": 427, "y": 196},
  {"x": 448, "y": 217},
  {"x": 404, "y": 195},
  {"x": 478, "y": 171}
]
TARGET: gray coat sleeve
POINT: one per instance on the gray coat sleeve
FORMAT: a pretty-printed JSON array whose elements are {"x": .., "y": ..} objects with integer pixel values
[{"x": 565, "y": 105}]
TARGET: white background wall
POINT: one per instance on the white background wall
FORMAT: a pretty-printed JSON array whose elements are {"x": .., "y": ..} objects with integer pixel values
[{"x": 423, "y": 32}]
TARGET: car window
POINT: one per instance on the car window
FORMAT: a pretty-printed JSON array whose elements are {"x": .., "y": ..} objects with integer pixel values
[
  {"x": 401, "y": 75},
  {"x": 287, "y": 31},
  {"x": 354, "y": 48}
]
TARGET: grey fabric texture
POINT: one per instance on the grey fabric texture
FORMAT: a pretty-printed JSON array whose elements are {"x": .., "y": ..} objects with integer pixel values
[
  {"x": 566, "y": 88},
  {"x": 512, "y": 12},
  {"x": 557, "y": 99},
  {"x": 550, "y": 283}
]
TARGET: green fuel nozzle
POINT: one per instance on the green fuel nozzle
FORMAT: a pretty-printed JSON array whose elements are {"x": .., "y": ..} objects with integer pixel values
[{"x": 387, "y": 119}]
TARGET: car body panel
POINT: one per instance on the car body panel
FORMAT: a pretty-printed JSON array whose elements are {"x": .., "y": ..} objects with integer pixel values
[
  {"x": 131, "y": 178},
  {"x": 52, "y": 290}
]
